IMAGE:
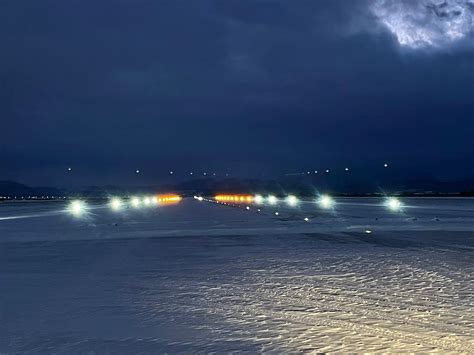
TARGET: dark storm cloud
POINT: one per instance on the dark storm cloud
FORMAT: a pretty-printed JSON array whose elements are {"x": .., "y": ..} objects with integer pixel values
[{"x": 113, "y": 85}]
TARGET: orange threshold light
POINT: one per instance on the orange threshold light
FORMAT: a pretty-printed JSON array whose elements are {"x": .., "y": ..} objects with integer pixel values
[
  {"x": 234, "y": 198},
  {"x": 168, "y": 199}
]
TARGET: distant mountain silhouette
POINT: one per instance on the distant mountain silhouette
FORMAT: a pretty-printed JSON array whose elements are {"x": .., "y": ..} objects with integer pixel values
[
  {"x": 15, "y": 189},
  {"x": 303, "y": 186}
]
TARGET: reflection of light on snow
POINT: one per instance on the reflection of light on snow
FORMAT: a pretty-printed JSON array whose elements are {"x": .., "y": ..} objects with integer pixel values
[
  {"x": 292, "y": 200},
  {"x": 326, "y": 201},
  {"x": 77, "y": 208},
  {"x": 394, "y": 204},
  {"x": 425, "y": 23},
  {"x": 116, "y": 204}
]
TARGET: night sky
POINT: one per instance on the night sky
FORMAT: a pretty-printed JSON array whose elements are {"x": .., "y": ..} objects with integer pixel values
[{"x": 245, "y": 87}]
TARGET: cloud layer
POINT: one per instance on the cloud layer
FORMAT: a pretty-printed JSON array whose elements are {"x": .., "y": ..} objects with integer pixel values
[{"x": 426, "y": 23}]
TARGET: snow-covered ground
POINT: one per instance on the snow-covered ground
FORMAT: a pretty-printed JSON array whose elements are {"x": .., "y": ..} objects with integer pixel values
[{"x": 201, "y": 276}]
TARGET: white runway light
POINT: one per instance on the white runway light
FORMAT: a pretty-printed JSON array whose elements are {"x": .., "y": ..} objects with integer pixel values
[
  {"x": 258, "y": 199},
  {"x": 135, "y": 202},
  {"x": 394, "y": 204},
  {"x": 147, "y": 201},
  {"x": 326, "y": 201},
  {"x": 77, "y": 208},
  {"x": 116, "y": 204},
  {"x": 292, "y": 200},
  {"x": 272, "y": 200}
]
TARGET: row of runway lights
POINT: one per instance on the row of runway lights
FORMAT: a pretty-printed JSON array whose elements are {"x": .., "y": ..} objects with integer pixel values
[
  {"x": 324, "y": 201},
  {"x": 79, "y": 207}
]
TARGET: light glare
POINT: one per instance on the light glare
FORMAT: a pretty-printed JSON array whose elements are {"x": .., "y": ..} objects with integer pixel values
[
  {"x": 135, "y": 201},
  {"x": 77, "y": 208},
  {"x": 326, "y": 201},
  {"x": 272, "y": 200},
  {"x": 292, "y": 200},
  {"x": 394, "y": 204},
  {"x": 116, "y": 204}
]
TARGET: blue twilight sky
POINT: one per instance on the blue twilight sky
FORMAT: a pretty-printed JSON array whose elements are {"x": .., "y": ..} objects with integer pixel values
[{"x": 245, "y": 87}]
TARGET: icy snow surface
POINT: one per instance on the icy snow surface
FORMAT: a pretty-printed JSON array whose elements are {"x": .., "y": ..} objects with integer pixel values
[{"x": 201, "y": 277}]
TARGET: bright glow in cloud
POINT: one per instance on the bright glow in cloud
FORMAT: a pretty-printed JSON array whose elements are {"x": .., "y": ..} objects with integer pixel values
[{"x": 426, "y": 23}]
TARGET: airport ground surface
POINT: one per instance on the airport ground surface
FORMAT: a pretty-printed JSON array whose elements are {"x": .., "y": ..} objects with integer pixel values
[{"x": 201, "y": 276}]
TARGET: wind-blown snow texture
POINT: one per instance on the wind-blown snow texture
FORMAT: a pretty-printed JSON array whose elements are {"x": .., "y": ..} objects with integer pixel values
[{"x": 205, "y": 277}]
